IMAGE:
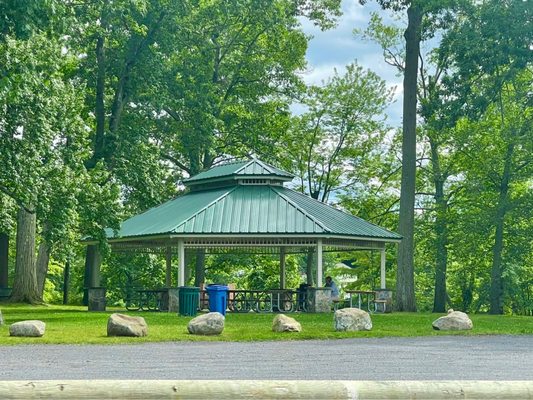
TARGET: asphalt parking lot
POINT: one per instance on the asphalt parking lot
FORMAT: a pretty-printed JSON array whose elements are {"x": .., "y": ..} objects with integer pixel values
[{"x": 424, "y": 358}]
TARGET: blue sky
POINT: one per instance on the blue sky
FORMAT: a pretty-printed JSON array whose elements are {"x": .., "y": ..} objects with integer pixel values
[{"x": 338, "y": 47}]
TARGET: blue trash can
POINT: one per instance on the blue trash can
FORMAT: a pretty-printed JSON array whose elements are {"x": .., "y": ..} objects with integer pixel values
[{"x": 218, "y": 298}]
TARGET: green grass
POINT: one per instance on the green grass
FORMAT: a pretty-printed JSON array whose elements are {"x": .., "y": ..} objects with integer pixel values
[{"x": 75, "y": 325}]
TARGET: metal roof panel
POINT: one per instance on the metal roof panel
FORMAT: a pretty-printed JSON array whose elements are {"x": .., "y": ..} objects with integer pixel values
[
  {"x": 166, "y": 217},
  {"x": 336, "y": 221},
  {"x": 251, "y": 209}
]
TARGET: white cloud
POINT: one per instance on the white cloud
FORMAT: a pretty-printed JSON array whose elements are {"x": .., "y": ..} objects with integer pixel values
[{"x": 316, "y": 75}]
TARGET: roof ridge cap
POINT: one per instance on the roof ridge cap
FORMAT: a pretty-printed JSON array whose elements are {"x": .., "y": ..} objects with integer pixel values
[
  {"x": 203, "y": 208},
  {"x": 300, "y": 209}
]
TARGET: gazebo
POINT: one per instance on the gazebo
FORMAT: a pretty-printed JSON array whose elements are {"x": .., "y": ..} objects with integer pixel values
[{"x": 242, "y": 205}]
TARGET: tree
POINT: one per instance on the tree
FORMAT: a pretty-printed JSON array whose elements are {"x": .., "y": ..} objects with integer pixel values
[
  {"x": 495, "y": 74},
  {"x": 42, "y": 136},
  {"x": 339, "y": 132},
  {"x": 423, "y": 17}
]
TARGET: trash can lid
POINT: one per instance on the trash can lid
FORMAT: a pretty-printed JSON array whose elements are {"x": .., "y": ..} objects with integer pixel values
[{"x": 217, "y": 287}]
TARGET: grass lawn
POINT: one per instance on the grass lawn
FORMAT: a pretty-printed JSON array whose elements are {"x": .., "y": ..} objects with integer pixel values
[{"x": 75, "y": 325}]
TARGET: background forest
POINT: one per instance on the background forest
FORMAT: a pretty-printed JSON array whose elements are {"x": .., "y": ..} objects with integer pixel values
[{"x": 106, "y": 105}]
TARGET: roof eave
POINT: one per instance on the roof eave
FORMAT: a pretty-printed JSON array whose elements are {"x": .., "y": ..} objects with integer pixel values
[
  {"x": 170, "y": 235},
  {"x": 234, "y": 178}
]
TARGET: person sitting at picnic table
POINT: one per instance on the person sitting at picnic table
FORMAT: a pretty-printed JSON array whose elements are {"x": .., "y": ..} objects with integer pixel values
[{"x": 334, "y": 288}]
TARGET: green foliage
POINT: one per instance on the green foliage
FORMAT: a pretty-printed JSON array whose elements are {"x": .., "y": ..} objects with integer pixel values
[
  {"x": 225, "y": 81},
  {"x": 339, "y": 131},
  {"x": 53, "y": 290},
  {"x": 252, "y": 272}
]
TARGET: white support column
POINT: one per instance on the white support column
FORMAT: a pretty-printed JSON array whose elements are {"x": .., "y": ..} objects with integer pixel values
[
  {"x": 282, "y": 280},
  {"x": 383, "y": 280},
  {"x": 181, "y": 263},
  {"x": 319, "y": 263}
]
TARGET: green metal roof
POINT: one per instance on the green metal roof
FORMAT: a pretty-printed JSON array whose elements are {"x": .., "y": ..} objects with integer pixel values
[
  {"x": 335, "y": 221},
  {"x": 241, "y": 169},
  {"x": 166, "y": 217},
  {"x": 251, "y": 209},
  {"x": 248, "y": 209}
]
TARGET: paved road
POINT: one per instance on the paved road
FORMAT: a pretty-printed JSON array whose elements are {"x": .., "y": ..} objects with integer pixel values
[{"x": 436, "y": 358}]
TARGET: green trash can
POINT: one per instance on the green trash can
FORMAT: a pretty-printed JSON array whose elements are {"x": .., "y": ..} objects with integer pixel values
[{"x": 189, "y": 298}]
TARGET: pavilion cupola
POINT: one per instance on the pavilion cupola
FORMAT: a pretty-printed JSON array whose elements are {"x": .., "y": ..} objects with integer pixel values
[{"x": 250, "y": 172}]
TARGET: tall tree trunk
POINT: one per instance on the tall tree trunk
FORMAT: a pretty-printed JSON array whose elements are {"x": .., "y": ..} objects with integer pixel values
[
  {"x": 441, "y": 232},
  {"x": 66, "y": 281},
  {"x": 25, "y": 283},
  {"x": 92, "y": 271},
  {"x": 199, "y": 273},
  {"x": 43, "y": 259},
  {"x": 99, "y": 138},
  {"x": 405, "y": 285},
  {"x": 496, "y": 282},
  {"x": 4, "y": 260},
  {"x": 188, "y": 266}
]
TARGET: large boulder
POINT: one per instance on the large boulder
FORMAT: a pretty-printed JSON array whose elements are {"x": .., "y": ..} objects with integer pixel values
[
  {"x": 31, "y": 328},
  {"x": 282, "y": 323},
  {"x": 352, "y": 319},
  {"x": 454, "y": 321},
  {"x": 125, "y": 325},
  {"x": 208, "y": 324}
]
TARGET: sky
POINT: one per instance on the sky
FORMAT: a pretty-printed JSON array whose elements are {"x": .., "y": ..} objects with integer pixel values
[{"x": 338, "y": 47}]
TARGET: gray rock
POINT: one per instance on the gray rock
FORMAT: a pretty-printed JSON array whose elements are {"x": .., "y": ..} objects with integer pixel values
[
  {"x": 282, "y": 323},
  {"x": 352, "y": 319},
  {"x": 454, "y": 321},
  {"x": 31, "y": 328},
  {"x": 208, "y": 324},
  {"x": 1, "y": 318},
  {"x": 125, "y": 325}
]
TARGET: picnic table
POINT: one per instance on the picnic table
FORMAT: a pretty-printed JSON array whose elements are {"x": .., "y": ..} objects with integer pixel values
[
  {"x": 273, "y": 300},
  {"x": 360, "y": 294},
  {"x": 145, "y": 300}
]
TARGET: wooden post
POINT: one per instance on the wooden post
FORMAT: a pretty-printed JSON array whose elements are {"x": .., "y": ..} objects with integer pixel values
[
  {"x": 282, "y": 280},
  {"x": 168, "y": 277},
  {"x": 181, "y": 263},
  {"x": 4, "y": 258},
  {"x": 264, "y": 389},
  {"x": 383, "y": 259},
  {"x": 319, "y": 263}
]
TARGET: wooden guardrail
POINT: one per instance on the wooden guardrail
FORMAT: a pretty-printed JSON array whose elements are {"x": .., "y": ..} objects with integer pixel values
[{"x": 218, "y": 389}]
